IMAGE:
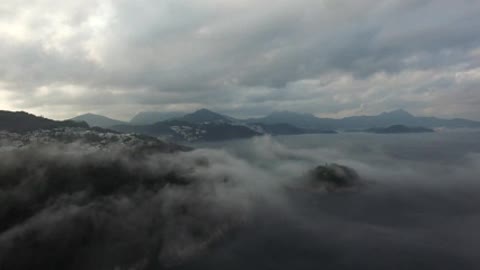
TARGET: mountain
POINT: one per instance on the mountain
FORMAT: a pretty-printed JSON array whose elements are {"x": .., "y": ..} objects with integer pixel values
[
  {"x": 285, "y": 129},
  {"x": 397, "y": 117},
  {"x": 93, "y": 137},
  {"x": 301, "y": 120},
  {"x": 206, "y": 116},
  {"x": 181, "y": 130},
  {"x": 24, "y": 122},
  {"x": 18, "y": 129},
  {"x": 96, "y": 120},
  {"x": 399, "y": 129},
  {"x": 206, "y": 125},
  {"x": 157, "y": 130},
  {"x": 199, "y": 116},
  {"x": 148, "y": 118},
  {"x": 381, "y": 120},
  {"x": 402, "y": 117}
]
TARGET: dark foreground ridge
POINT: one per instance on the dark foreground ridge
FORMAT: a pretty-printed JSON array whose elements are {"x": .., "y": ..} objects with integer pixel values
[
  {"x": 78, "y": 199},
  {"x": 24, "y": 122},
  {"x": 81, "y": 206}
]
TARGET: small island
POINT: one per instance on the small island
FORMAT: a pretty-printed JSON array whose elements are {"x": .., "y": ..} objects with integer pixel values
[
  {"x": 334, "y": 177},
  {"x": 399, "y": 129}
]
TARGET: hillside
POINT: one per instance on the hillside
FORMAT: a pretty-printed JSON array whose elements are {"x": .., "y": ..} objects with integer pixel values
[
  {"x": 205, "y": 116},
  {"x": 149, "y": 118},
  {"x": 24, "y": 122},
  {"x": 180, "y": 130},
  {"x": 95, "y": 120}
]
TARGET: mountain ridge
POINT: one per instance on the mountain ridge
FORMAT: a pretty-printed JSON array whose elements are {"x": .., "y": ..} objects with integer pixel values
[
  {"x": 207, "y": 125},
  {"x": 152, "y": 117},
  {"x": 395, "y": 117},
  {"x": 21, "y": 121},
  {"x": 193, "y": 126},
  {"x": 206, "y": 116},
  {"x": 97, "y": 120},
  {"x": 310, "y": 121}
]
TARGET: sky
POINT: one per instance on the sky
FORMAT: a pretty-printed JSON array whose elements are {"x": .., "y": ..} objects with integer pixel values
[{"x": 245, "y": 58}]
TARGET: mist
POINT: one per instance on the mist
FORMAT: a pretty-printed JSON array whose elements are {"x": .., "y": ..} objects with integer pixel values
[{"x": 241, "y": 205}]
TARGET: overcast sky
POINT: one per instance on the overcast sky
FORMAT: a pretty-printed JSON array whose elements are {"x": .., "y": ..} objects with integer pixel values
[{"x": 242, "y": 57}]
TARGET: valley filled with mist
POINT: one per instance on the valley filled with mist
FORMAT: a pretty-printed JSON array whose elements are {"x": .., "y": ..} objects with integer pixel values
[{"x": 409, "y": 200}]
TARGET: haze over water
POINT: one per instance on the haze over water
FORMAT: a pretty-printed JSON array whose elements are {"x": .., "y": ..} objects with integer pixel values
[{"x": 418, "y": 210}]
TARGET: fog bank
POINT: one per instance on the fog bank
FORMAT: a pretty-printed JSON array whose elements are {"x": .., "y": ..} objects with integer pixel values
[{"x": 70, "y": 206}]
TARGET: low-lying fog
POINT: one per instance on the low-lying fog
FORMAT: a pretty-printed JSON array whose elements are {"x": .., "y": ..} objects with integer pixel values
[{"x": 245, "y": 205}]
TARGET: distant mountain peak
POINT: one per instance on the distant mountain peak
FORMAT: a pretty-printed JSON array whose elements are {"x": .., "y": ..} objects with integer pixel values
[
  {"x": 205, "y": 115},
  {"x": 97, "y": 120},
  {"x": 398, "y": 112},
  {"x": 90, "y": 114},
  {"x": 204, "y": 111}
]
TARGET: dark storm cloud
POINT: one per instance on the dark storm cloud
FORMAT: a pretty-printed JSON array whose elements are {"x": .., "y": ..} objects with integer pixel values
[{"x": 147, "y": 54}]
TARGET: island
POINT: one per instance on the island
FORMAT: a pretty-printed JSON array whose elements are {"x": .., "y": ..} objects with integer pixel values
[{"x": 399, "y": 129}]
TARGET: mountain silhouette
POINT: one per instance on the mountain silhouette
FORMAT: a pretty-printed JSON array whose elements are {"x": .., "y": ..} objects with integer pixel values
[
  {"x": 206, "y": 116},
  {"x": 24, "y": 122},
  {"x": 385, "y": 119},
  {"x": 95, "y": 120},
  {"x": 148, "y": 118}
]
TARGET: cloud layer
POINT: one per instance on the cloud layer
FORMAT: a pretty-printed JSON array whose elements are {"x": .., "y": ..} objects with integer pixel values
[
  {"x": 243, "y": 57},
  {"x": 247, "y": 206}
]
